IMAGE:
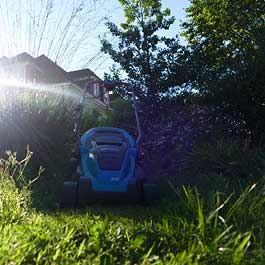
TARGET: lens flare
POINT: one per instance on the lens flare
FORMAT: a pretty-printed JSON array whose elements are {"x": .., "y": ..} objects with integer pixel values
[{"x": 12, "y": 85}]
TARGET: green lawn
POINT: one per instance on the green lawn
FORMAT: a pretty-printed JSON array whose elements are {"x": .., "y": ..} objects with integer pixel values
[
  {"x": 183, "y": 228},
  {"x": 174, "y": 231}
]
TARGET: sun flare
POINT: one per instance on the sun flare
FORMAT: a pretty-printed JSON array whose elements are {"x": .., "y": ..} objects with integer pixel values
[
  {"x": 13, "y": 86},
  {"x": 11, "y": 82}
]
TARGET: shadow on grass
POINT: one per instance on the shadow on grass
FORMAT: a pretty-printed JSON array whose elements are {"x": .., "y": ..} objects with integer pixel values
[{"x": 46, "y": 196}]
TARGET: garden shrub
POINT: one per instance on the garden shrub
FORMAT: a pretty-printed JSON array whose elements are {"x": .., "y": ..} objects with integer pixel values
[
  {"x": 41, "y": 120},
  {"x": 121, "y": 115},
  {"x": 171, "y": 131},
  {"x": 227, "y": 158}
]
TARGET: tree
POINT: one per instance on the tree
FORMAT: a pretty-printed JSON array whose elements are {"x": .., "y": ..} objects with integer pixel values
[
  {"x": 227, "y": 45},
  {"x": 150, "y": 60}
]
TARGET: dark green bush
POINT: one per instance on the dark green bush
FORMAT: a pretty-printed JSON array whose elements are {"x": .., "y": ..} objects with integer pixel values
[
  {"x": 40, "y": 120},
  {"x": 121, "y": 115},
  {"x": 225, "y": 160}
]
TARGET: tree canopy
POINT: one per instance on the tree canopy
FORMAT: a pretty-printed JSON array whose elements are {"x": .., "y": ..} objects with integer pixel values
[
  {"x": 150, "y": 59},
  {"x": 223, "y": 59},
  {"x": 227, "y": 44}
]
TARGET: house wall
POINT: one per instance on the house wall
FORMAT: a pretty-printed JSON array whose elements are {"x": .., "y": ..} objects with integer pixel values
[{"x": 75, "y": 93}]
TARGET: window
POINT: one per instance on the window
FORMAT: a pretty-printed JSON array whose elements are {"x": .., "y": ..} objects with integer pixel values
[
  {"x": 96, "y": 90},
  {"x": 105, "y": 96}
]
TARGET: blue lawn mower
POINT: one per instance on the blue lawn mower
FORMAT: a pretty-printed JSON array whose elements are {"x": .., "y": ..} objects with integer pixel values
[{"x": 105, "y": 166}]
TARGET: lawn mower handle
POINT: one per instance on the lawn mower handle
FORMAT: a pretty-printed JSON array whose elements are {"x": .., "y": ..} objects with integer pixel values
[
  {"x": 136, "y": 111},
  {"x": 108, "y": 85},
  {"x": 79, "y": 114}
]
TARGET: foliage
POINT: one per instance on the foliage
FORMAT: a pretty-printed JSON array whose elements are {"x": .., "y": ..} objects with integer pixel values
[
  {"x": 227, "y": 47},
  {"x": 121, "y": 116},
  {"x": 183, "y": 229},
  {"x": 43, "y": 121},
  {"x": 147, "y": 58},
  {"x": 227, "y": 33},
  {"x": 15, "y": 195},
  {"x": 171, "y": 131},
  {"x": 40, "y": 120},
  {"x": 225, "y": 160},
  {"x": 90, "y": 119}
]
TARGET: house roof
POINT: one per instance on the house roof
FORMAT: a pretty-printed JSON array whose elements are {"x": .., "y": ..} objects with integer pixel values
[
  {"x": 81, "y": 73},
  {"x": 51, "y": 69},
  {"x": 3, "y": 60},
  {"x": 22, "y": 57}
]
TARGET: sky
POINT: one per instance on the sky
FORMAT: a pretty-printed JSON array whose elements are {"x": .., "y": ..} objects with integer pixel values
[{"x": 67, "y": 31}]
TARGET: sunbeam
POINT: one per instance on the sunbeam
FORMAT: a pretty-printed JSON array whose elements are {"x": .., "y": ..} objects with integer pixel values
[{"x": 16, "y": 86}]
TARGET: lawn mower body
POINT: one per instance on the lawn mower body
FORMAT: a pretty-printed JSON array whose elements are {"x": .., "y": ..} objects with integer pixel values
[
  {"x": 108, "y": 158},
  {"x": 107, "y": 169}
]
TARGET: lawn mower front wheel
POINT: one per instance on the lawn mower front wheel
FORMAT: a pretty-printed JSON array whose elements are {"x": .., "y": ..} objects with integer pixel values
[
  {"x": 149, "y": 190},
  {"x": 69, "y": 194}
]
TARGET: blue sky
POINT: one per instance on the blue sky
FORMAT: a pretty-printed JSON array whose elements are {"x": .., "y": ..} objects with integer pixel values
[
  {"x": 176, "y": 6},
  {"x": 24, "y": 27}
]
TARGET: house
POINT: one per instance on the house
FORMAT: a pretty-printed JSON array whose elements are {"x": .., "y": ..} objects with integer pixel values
[{"x": 43, "y": 71}]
